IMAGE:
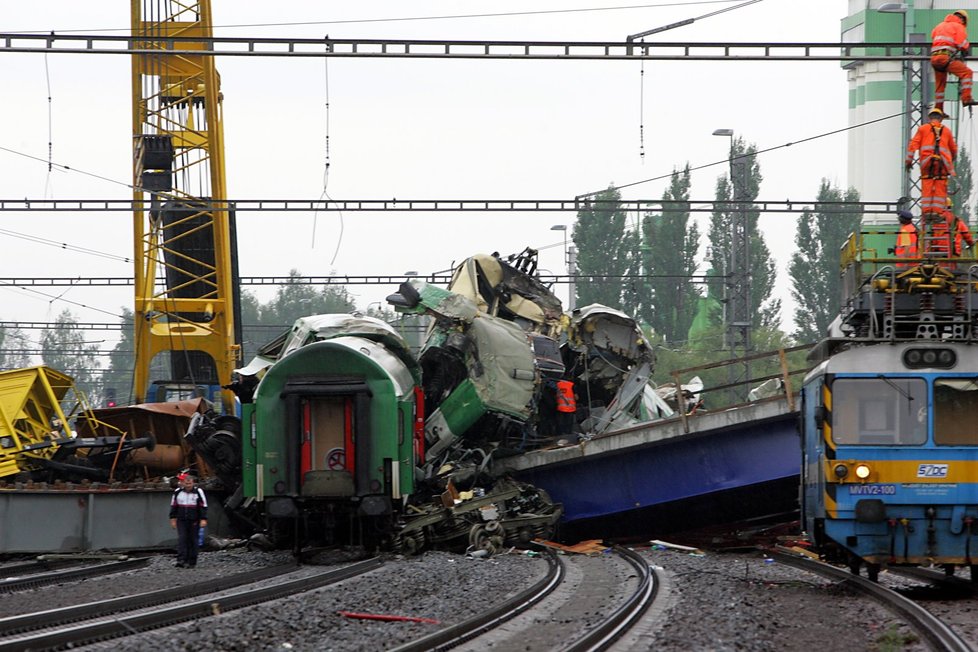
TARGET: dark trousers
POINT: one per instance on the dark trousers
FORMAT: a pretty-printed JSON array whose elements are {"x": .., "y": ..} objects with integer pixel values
[{"x": 187, "y": 533}]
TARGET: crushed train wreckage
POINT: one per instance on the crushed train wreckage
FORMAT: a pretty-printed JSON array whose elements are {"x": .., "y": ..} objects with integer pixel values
[{"x": 345, "y": 429}]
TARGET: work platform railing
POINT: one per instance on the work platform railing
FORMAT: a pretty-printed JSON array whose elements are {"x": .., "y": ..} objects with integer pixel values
[
  {"x": 789, "y": 363},
  {"x": 896, "y": 288}
]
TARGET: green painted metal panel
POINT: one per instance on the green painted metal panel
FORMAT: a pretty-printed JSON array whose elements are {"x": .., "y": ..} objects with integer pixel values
[
  {"x": 249, "y": 451},
  {"x": 462, "y": 408}
]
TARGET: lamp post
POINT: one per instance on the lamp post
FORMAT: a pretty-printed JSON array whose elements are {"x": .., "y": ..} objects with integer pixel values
[
  {"x": 570, "y": 263},
  {"x": 738, "y": 305}
]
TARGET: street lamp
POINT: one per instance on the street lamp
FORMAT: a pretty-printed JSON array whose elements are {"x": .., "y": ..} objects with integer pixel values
[
  {"x": 738, "y": 308},
  {"x": 571, "y": 266}
]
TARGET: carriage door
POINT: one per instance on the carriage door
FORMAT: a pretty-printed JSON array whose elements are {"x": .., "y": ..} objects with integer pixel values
[{"x": 327, "y": 451}]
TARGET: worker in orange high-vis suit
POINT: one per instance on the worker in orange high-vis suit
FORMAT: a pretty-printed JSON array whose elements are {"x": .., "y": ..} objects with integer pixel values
[
  {"x": 959, "y": 229},
  {"x": 949, "y": 46},
  {"x": 906, "y": 243},
  {"x": 566, "y": 407},
  {"x": 937, "y": 148}
]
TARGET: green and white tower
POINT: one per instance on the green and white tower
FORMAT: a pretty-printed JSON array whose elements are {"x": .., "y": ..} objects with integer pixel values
[{"x": 878, "y": 89}]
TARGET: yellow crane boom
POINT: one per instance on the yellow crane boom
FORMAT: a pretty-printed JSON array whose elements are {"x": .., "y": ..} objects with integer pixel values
[{"x": 184, "y": 291}]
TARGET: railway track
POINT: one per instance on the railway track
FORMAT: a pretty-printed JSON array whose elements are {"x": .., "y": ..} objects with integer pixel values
[
  {"x": 537, "y": 627},
  {"x": 36, "y": 579},
  {"x": 102, "y": 625},
  {"x": 75, "y": 613},
  {"x": 938, "y": 635}
]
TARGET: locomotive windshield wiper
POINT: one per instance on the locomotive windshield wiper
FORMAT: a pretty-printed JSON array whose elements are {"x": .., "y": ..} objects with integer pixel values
[{"x": 892, "y": 384}]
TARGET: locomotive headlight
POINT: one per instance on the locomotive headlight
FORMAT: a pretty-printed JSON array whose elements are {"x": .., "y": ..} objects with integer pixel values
[
  {"x": 862, "y": 471},
  {"x": 841, "y": 471}
]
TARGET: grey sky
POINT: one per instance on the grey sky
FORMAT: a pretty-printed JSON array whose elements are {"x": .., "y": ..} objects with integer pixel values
[{"x": 416, "y": 129}]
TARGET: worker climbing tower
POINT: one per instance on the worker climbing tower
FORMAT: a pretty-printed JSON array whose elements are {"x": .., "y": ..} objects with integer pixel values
[
  {"x": 878, "y": 89},
  {"x": 184, "y": 230}
]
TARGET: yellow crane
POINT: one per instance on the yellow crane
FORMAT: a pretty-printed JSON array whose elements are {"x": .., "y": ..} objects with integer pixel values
[{"x": 183, "y": 226}]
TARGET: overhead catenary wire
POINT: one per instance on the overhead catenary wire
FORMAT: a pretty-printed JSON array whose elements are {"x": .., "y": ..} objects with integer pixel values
[
  {"x": 47, "y": 79},
  {"x": 757, "y": 153},
  {"x": 398, "y": 19},
  {"x": 10, "y": 286}
]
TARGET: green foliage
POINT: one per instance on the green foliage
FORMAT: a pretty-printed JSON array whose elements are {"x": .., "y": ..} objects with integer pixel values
[
  {"x": 122, "y": 361},
  {"x": 762, "y": 270},
  {"x": 670, "y": 242},
  {"x": 962, "y": 199},
  {"x": 13, "y": 343},
  {"x": 264, "y": 322},
  {"x": 66, "y": 350},
  {"x": 815, "y": 271},
  {"x": 604, "y": 247}
]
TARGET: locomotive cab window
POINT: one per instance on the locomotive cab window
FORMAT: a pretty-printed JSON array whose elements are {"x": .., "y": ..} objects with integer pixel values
[
  {"x": 879, "y": 411},
  {"x": 955, "y": 404}
]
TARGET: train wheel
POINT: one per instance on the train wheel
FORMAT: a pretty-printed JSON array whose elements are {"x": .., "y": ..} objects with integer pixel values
[
  {"x": 478, "y": 538},
  {"x": 854, "y": 564},
  {"x": 974, "y": 574},
  {"x": 873, "y": 572},
  {"x": 948, "y": 570}
]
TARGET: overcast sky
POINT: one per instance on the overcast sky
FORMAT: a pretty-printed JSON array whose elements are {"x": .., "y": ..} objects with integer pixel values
[{"x": 414, "y": 129}]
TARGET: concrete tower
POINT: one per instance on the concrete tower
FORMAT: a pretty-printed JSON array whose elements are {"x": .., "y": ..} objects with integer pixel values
[{"x": 881, "y": 89}]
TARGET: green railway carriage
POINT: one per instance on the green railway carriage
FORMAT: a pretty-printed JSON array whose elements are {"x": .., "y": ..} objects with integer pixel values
[{"x": 334, "y": 431}]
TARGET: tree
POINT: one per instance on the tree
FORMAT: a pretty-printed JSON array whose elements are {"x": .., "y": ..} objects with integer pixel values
[
  {"x": 965, "y": 180},
  {"x": 814, "y": 267},
  {"x": 64, "y": 348},
  {"x": 13, "y": 344},
  {"x": 761, "y": 269},
  {"x": 296, "y": 299},
  {"x": 604, "y": 247},
  {"x": 119, "y": 377},
  {"x": 668, "y": 255}
]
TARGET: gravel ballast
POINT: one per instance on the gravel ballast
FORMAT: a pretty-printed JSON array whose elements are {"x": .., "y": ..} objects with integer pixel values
[{"x": 735, "y": 601}]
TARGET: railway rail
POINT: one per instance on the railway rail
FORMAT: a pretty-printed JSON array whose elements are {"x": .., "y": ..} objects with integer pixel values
[
  {"x": 931, "y": 629},
  {"x": 98, "y": 630},
  {"x": 53, "y": 617},
  {"x": 455, "y": 635},
  {"x": 623, "y": 618},
  {"x": 537, "y": 628},
  {"x": 39, "y": 579}
]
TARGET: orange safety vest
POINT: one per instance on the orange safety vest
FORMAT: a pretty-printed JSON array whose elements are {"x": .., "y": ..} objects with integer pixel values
[
  {"x": 937, "y": 150},
  {"x": 906, "y": 244},
  {"x": 565, "y": 396},
  {"x": 951, "y": 35},
  {"x": 961, "y": 233}
]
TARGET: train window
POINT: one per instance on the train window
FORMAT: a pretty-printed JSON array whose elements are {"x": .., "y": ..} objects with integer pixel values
[
  {"x": 879, "y": 411},
  {"x": 955, "y": 403}
]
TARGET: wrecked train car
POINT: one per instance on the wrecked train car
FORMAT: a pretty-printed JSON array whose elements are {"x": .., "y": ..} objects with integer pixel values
[
  {"x": 491, "y": 381},
  {"x": 334, "y": 448},
  {"x": 332, "y": 430}
]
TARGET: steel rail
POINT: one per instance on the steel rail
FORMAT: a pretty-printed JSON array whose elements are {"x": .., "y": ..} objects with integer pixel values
[
  {"x": 53, "y": 617},
  {"x": 926, "y": 624},
  {"x": 447, "y": 205},
  {"x": 457, "y": 634},
  {"x": 619, "y": 622},
  {"x": 20, "y": 583},
  {"x": 38, "y": 566},
  {"x": 137, "y": 623},
  {"x": 157, "y": 45},
  {"x": 935, "y": 578}
]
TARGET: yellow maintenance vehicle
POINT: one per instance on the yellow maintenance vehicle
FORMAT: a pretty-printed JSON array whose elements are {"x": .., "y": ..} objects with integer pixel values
[{"x": 40, "y": 414}]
